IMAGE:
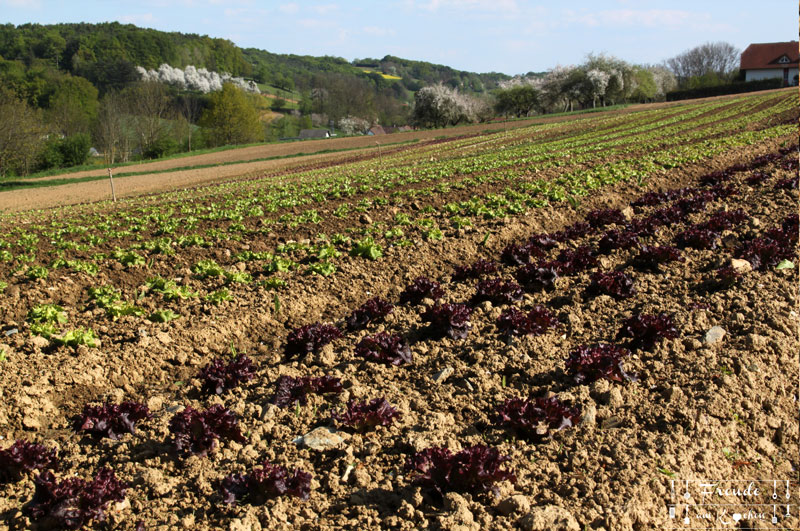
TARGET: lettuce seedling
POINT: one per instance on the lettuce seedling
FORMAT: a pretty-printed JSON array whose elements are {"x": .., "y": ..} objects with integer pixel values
[
  {"x": 374, "y": 310},
  {"x": 196, "y": 432},
  {"x": 450, "y": 320},
  {"x": 572, "y": 261},
  {"x": 614, "y": 283},
  {"x": 290, "y": 390},
  {"x": 515, "y": 322},
  {"x": 73, "y": 502},
  {"x": 110, "y": 420},
  {"x": 23, "y": 457},
  {"x": 475, "y": 469},
  {"x": 616, "y": 239},
  {"x": 514, "y": 254},
  {"x": 478, "y": 269},
  {"x": 310, "y": 338},
  {"x": 363, "y": 416},
  {"x": 537, "y": 418},
  {"x": 697, "y": 238},
  {"x": 575, "y": 231},
  {"x": 646, "y": 330},
  {"x": 219, "y": 376},
  {"x": 652, "y": 256},
  {"x": 587, "y": 364},
  {"x": 537, "y": 277},
  {"x": 421, "y": 288},
  {"x": 608, "y": 216},
  {"x": 384, "y": 348},
  {"x": 269, "y": 481},
  {"x": 497, "y": 291}
]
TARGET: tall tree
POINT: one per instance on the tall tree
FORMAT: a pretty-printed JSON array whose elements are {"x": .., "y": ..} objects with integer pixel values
[
  {"x": 718, "y": 58},
  {"x": 21, "y": 135},
  {"x": 148, "y": 104},
  {"x": 231, "y": 118}
]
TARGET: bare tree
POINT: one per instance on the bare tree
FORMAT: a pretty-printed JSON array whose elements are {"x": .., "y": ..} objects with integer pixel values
[
  {"x": 720, "y": 58},
  {"x": 148, "y": 103},
  {"x": 109, "y": 130},
  {"x": 21, "y": 135}
]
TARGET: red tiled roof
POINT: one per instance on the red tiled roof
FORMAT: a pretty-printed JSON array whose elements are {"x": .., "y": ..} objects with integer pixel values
[{"x": 767, "y": 55}]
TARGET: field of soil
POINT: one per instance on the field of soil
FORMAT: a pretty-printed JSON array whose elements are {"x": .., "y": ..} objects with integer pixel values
[{"x": 717, "y": 401}]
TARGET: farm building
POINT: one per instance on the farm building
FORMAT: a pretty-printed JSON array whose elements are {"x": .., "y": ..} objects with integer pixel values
[
  {"x": 314, "y": 133},
  {"x": 771, "y": 60}
]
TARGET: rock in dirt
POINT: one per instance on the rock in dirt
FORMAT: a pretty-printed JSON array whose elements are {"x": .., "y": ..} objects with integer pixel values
[
  {"x": 320, "y": 439},
  {"x": 589, "y": 416},
  {"x": 460, "y": 518},
  {"x": 741, "y": 266},
  {"x": 517, "y": 504},
  {"x": 39, "y": 342},
  {"x": 756, "y": 341},
  {"x": 443, "y": 375},
  {"x": 615, "y": 397},
  {"x": 549, "y": 518},
  {"x": 766, "y": 447},
  {"x": 714, "y": 335}
]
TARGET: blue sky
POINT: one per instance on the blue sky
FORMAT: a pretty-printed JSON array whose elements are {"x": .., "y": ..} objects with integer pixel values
[{"x": 510, "y": 36}]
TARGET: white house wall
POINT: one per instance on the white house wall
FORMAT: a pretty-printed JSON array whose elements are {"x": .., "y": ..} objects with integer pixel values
[{"x": 753, "y": 75}]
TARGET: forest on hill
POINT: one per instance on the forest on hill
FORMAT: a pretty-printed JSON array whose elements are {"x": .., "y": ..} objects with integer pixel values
[{"x": 133, "y": 93}]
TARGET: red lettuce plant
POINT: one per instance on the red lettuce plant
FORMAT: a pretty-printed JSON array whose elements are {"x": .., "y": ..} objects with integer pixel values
[
  {"x": 574, "y": 261},
  {"x": 310, "y": 338},
  {"x": 478, "y": 269},
  {"x": 652, "y": 256},
  {"x": 73, "y": 502},
  {"x": 538, "y": 277},
  {"x": 724, "y": 220},
  {"x": 385, "y": 348},
  {"x": 757, "y": 178},
  {"x": 577, "y": 230},
  {"x": 261, "y": 484},
  {"x": 23, "y": 457},
  {"x": 645, "y": 330},
  {"x": 450, "y": 320},
  {"x": 543, "y": 241},
  {"x": 374, "y": 310},
  {"x": 497, "y": 291},
  {"x": 290, "y": 390},
  {"x": 697, "y": 238},
  {"x": 587, "y": 364},
  {"x": 110, "y": 420},
  {"x": 194, "y": 431},
  {"x": 775, "y": 245},
  {"x": 615, "y": 239},
  {"x": 363, "y": 416},
  {"x": 421, "y": 288},
  {"x": 726, "y": 277},
  {"x": 614, "y": 283},
  {"x": 515, "y": 322},
  {"x": 514, "y": 254},
  {"x": 537, "y": 418},
  {"x": 219, "y": 376},
  {"x": 608, "y": 216},
  {"x": 475, "y": 469}
]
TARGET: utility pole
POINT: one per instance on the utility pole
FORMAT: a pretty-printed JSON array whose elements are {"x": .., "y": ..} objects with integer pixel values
[{"x": 111, "y": 179}]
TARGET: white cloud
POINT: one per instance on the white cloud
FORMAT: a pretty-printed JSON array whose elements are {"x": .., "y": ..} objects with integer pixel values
[
  {"x": 324, "y": 9},
  {"x": 377, "y": 31},
  {"x": 650, "y": 18},
  {"x": 466, "y": 5},
  {"x": 289, "y": 9},
  {"x": 144, "y": 18}
]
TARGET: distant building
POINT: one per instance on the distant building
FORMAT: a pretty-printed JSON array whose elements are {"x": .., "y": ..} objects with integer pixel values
[
  {"x": 306, "y": 134},
  {"x": 771, "y": 60},
  {"x": 376, "y": 130}
]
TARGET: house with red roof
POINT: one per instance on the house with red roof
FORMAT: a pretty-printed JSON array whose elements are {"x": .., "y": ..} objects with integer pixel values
[{"x": 770, "y": 60}]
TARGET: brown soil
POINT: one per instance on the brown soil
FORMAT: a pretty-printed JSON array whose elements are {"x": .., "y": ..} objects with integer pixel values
[{"x": 725, "y": 411}]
